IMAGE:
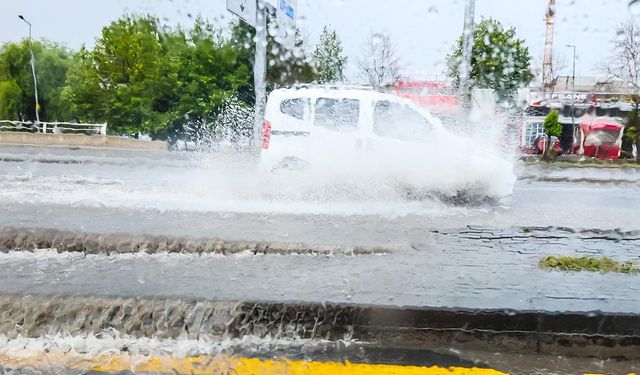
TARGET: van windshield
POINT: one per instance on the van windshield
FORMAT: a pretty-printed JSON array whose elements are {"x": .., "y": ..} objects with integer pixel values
[{"x": 399, "y": 121}]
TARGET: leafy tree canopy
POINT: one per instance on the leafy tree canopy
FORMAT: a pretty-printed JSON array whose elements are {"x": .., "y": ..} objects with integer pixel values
[
  {"x": 143, "y": 77},
  {"x": 284, "y": 67},
  {"x": 17, "y": 100},
  {"x": 552, "y": 126},
  {"x": 499, "y": 60},
  {"x": 328, "y": 57}
]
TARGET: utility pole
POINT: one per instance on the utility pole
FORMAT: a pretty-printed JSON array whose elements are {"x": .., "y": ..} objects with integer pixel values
[
  {"x": 547, "y": 65},
  {"x": 33, "y": 69},
  {"x": 573, "y": 92},
  {"x": 467, "y": 48},
  {"x": 260, "y": 70}
]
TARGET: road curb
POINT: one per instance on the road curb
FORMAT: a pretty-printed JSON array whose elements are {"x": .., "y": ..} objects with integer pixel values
[
  {"x": 20, "y": 239},
  {"x": 583, "y": 334}
]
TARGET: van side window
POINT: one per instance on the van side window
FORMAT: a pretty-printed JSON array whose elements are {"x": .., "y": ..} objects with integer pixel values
[
  {"x": 294, "y": 107},
  {"x": 337, "y": 114},
  {"x": 399, "y": 121}
]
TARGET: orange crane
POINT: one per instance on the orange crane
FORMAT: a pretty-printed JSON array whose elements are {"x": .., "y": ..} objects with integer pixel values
[{"x": 547, "y": 65}]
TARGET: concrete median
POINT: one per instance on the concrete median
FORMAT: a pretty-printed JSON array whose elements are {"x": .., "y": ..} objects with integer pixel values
[{"x": 79, "y": 140}]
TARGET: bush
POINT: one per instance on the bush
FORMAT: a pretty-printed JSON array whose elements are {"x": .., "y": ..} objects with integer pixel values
[{"x": 552, "y": 125}]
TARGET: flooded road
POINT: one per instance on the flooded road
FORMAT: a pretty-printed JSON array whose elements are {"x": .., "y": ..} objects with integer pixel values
[
  {"x": 480, "y": 268},
  {"x": 433, "y": 254},
  {"x": 437, "y": 254},
  {"x": 198, "y": 195}
]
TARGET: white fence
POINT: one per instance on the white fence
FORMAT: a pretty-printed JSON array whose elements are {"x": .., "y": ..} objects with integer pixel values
[{"x": 52, "y": 127}]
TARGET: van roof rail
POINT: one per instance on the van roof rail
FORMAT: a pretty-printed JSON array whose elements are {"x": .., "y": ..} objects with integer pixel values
[{"x": 330, "y": 86}]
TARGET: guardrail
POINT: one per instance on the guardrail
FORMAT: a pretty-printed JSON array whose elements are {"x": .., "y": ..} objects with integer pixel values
[{"x": 51, "y": 127}]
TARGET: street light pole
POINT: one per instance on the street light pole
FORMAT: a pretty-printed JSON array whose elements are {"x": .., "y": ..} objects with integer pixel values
[
  {"x": 573, "y": 93},
  {"x": 33, "y": 69}
]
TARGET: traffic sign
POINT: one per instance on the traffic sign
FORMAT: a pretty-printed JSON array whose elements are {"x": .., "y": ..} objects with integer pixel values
[
  {"x": 286, "y": 13},
  {"x": 245, "y": 9}
]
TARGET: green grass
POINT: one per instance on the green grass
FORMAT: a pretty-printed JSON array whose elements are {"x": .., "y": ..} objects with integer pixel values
[
  {"x": 589, "y": 163},
  {"x": 589, "y": 264}
]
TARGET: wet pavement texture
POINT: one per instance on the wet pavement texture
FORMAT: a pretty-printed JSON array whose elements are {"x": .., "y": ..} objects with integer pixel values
[
  {"x": 471, "y": 268},
  {"x": 194, "y": 195},
  {"x": 435, "y": 254}
]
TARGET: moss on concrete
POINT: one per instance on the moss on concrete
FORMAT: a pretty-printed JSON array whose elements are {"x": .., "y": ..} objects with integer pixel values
[{"x": 589, "y": 264}]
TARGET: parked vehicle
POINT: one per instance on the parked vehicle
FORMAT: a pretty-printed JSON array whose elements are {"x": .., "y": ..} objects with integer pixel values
[{"x": 599, "y": 137}]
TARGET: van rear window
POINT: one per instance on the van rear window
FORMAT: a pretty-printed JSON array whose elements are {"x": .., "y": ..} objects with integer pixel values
[
  {"x": 337, "y": 114},
  {"x": 294, "y": 107}
]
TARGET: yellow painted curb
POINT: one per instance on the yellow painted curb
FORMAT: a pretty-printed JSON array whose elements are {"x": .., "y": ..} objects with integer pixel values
[{"x": 224, "y": 365}]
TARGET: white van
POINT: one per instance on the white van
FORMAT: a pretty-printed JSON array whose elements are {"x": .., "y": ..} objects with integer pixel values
[{"x": 314, "y": 120}]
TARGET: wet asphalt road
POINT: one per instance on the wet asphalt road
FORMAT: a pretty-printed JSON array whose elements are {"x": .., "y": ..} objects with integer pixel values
[
  {"x": 436, "y": 260},
  {"x": 451, "y": 270}
]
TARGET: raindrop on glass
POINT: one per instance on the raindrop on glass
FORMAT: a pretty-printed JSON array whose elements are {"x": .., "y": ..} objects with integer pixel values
[
  {"x": 432, "y": 12},
  {"x": 634, "y": 7},
  {"x": 377, "y": 38}
]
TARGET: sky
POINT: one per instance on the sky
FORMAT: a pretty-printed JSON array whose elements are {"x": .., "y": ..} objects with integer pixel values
[{"x": 423, "y": 31}]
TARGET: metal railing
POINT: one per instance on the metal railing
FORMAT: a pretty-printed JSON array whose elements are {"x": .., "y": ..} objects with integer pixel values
[{"x": 52, "y": 127}]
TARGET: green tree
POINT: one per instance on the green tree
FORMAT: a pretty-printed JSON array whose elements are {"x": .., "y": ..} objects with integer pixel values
[
  {"x": 126, "y": 80},
  {"x": 83, "y": 92},
  {"x": 143, "y": 77},
  {"x": 499, "y": 60},
  {"x": 210, "y": 71},
  {"x": 10, "y": 96},
  {"x": 552, "y": 126},
  {"x": 328, "y": 57},
  {"x": 16, "y": 81},
  {"x": 284, "y": 67}
]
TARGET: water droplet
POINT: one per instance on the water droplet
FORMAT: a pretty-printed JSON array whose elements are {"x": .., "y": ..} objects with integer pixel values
[
  {"x": 377, "y": 38},
  {"x": 634, "y": 7},
  {"x": 432, "y": 12}
]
